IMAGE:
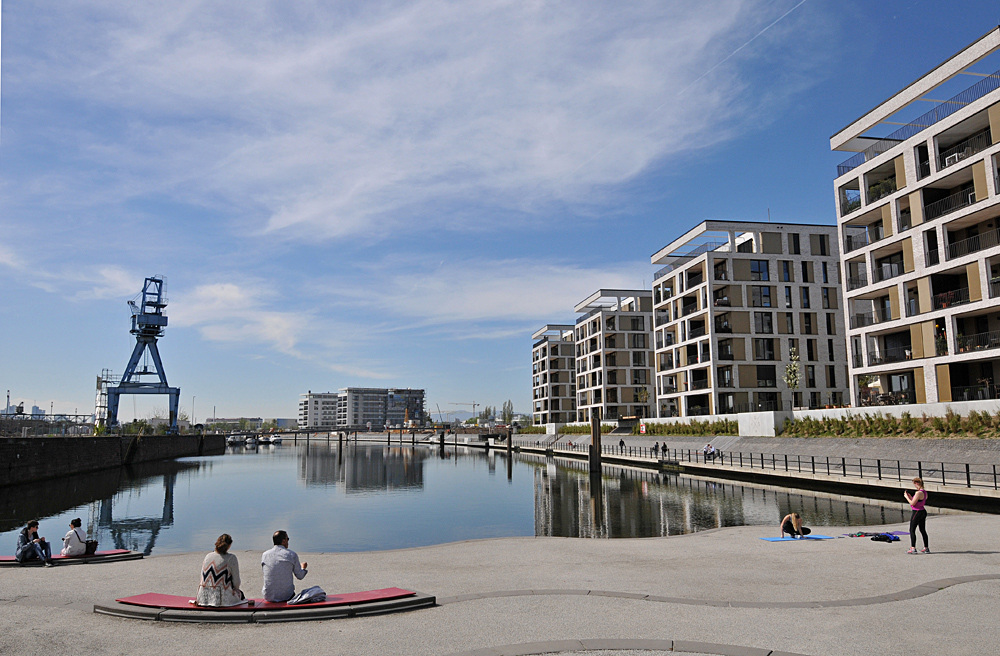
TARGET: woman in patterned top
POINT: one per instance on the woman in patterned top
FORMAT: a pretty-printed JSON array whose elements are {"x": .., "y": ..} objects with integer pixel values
[{"x": 220, "y": 577}]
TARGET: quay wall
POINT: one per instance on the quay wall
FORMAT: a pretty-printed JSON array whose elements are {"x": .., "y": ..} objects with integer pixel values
[{"x": 24, "y": 460}]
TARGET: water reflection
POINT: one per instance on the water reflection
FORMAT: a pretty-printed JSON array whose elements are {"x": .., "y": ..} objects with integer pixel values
[{"x": 363, "y": 469}]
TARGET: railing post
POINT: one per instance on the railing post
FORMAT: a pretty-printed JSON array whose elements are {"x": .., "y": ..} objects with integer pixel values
[
  {"x": 968, "y": 476},
  {"x": 899, "y": 472},
  {"x": 994, "y": 477},
  {"x": 741, "y": 459},
  {"x": 828, "y": 465},
  {"x": 879, "y": 465},
  {"x": 786, "y": 462},
  {"x": 798, "y": 461},
  {"x": 843, "y": 467},
  {"x": 920, "y": 470},
  {"x": 943, "y": 481},
  {"x": 773, "y": 465},
  {"x": 813, "y": 464}
]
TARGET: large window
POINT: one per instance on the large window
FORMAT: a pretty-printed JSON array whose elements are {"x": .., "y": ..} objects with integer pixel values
[
  {"x": 786, "y": 271},
  {"x": 831, "y": 324},
  {"x": 760, "y": 296},
  {"x": 638, "y": 323},
  {"x": 767, "y": 375},
  {"x": 790, "y": 323},
  {"x": 805, "y": 297},
  {"x": 638, "y": 376},
  {"x": 639, "y": 341},
  {"x": 759, "y": 270},
  {"x": 638, "y": 358},
  {"x": 763, "y": 349},
  {"x": 810, "y": 375},
  {"x": 763, "y": 323},
  {"x": 793, "y": 244}
]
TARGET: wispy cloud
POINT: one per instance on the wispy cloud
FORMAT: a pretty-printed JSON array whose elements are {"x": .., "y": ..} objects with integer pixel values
[{"x": 315, "y": 121}]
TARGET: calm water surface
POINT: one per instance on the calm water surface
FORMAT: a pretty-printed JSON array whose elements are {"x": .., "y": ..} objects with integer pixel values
[{"x": 376, "y": 497}]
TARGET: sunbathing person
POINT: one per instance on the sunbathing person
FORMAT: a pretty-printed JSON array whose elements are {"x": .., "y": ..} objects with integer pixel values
[
  {"x": 75, "y": 541},
  {"x": 792, "y": 524},
  {"x": 220, "y": 577},
  {"x": 279, "y": 564},
  {"x": 30, "y": 546}
]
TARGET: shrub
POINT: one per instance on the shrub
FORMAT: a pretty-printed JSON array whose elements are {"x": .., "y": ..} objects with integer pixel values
[{"x": 531, "y": 430}]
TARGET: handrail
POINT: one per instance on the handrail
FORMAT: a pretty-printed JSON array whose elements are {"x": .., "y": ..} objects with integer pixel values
[
  {"x": 895, "y": 354},
  {"x": 954, "y": 297},
  {"x": 887, "y": 271},
  {"x": 857, "y": 282},
  {"x": 977, "y": 342},
  {"x": 963, "y": 149},
  {"x": 973, "y": 244},
  {"x": 951, "y": 203}
]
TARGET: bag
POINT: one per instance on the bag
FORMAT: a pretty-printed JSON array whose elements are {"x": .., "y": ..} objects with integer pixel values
[
  {"x": 885, "y": 537},
  {"x": 91, "y": 547},
  {"x": 308, "y": 596}
]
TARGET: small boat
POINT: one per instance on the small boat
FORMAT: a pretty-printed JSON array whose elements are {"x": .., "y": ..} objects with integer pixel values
[
  {"x": 233, "y": 440},
  {"x": 264, "y": 439},
  {"x": 250, "y": 439},
  {"x": 275, "y": 440}
]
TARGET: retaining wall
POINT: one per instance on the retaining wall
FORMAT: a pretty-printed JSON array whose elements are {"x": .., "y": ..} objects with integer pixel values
[{"x": 23, "y": 460}]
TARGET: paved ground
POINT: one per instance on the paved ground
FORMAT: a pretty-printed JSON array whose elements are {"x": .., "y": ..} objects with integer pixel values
[{"x": 724, "y": 586}]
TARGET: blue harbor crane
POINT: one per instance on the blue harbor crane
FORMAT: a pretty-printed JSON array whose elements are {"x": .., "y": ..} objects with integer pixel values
[{"x": 148, "y": 322}]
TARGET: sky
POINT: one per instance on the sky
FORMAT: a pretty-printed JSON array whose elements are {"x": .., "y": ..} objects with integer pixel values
[{"x": 398, "y": 193}]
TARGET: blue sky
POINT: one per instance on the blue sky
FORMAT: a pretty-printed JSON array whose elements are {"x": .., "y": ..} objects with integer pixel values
[{"x": 398, "y": 193}]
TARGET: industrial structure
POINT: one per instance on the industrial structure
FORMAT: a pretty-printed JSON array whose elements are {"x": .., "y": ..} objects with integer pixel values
[
  {"x": 732, "y": 304},
  {"x": 148, "y": 323},
  {"x": 919, "y": 218}
]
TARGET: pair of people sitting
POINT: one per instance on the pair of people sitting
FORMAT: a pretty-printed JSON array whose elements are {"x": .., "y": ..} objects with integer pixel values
[
  {"x": 30, "y": 546},
  {"x": 220, "y": 573}
]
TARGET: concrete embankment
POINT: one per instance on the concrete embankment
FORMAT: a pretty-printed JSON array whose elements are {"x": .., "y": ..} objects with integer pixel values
[{"x": 24, "y": 460}]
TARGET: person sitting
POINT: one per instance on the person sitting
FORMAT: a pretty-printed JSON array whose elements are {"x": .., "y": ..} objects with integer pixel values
[
  {"x": 75, "y": 540},
  {"x": 279, "y": 564},
  {"x": 220, "y": 577},
  {"x": 792, "y": 524},
  {"x": 30, "y": 546}
]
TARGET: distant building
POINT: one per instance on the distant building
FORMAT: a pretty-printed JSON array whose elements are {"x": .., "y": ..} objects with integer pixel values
[
  {"x": 553, "y": 381},
  {"x": 233, "y": 423},
  {"x": 282, "y": 423},
  {"x": 360, "y": 406}
]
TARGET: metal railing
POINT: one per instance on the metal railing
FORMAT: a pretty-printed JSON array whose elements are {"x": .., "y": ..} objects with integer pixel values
[
  {"x": 987, "y": 239},
  {"x": 856, "y": 241},
  {"x": 942, "y": 111},
  {"x": 954, "y": 297},
  {"x": 722, "y": 301},
  {"x": 977, "y": 342},
  {"x": 858, "y": 362},
  {"x": 994, "y": 287},
  {"x": 931, "y": 257},
  {"x": 952, "y": 203},
  {"x": 699, "y": 384},
  {"x": 912, "y": 307},
  {"x": 696, "y": 332},
  {"x": 848, "y": 205},
  {"x": 881, "y": 189},
  {"x": 872, "y": 398},
  {"x": 895, "y": 354},
  {"x": 887, "y": 271},
  {"x": 967, "y": 475},
  {"x": 857, "y": 282},
  {"x": 688, "y": 309},
  {"x": 723, "y": 327},
  {"x": 726, "y": 355},
  {"x": 862, "y": 319},
  {"x": 721, "y": 274},
  {"x": 963, "y": 149},
  {"x": 981, "y": 392},
  {"x": 923, "y": 169}
]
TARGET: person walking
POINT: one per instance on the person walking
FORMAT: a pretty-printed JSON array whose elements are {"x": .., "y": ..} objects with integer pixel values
[
  {"x": 621, "y": 445},
  {"x": 918, "y": 519}
]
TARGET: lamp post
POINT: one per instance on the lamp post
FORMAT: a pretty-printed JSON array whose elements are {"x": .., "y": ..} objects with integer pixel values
[{"x": 192, "y": 409}]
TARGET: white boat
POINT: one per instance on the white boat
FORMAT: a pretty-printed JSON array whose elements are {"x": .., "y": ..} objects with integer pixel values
[
  {"x": 232, "y": 440},
  {"x": 251, "y": 440},
  {"x": 275, "y": 440}
]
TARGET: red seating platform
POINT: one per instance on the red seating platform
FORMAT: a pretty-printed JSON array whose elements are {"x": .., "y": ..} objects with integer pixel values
[
  {"x": 58, "y": 557},
  {"x": 175, "y": 602}
]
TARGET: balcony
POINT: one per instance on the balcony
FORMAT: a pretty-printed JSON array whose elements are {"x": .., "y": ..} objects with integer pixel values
[
  {"x": 905, "y": 220},
  {"x": 977, "y": 342},
  {"x": 862, "y": 319},
  {"x": 688, "y": 309},
  {"x": 726, "y": 354},
  {"x": 964, "y": 149},
  {"x": 721, "y": 274},
  {"x": 881, "y": 189},
  {"x": 983, "y": 392},
  {"x": 722, "y": 302},
  {"x": 949, "y": 299},
  {"x": 887, "y": 271},
  {"x": 850, "y": 204},
  {"x": 696, "y": 332},
  {"x": 994, "y": 287},
  {"x": 912, "y": 307},
  {"x": 988, "y": 239},
  {"x": 931, "y": 257},
  {"x": 868, "y": 397},
  {"x": 923, "y": 169},
  {"x": 699, "y": 384},
  {"x": 723, "y": 327},
  {"x": 948, "y": 204},
  {"x": 858, "y": 362},
  {"x": 873, "y": 234},
  {"x": 856, "y": 282},
  {"x": 886, "y": 356}
]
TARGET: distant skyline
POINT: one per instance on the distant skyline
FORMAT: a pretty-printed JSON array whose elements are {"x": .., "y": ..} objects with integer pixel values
[{"x": 398, "y": 194}]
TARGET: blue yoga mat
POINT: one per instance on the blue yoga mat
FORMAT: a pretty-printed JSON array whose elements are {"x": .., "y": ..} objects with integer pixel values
[{"x": 808, "y": 537}]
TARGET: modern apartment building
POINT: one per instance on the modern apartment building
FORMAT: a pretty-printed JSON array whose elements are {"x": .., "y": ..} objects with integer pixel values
[
  {"x": 361, "y": 406},
  {"x": 732, "y": 302},
  {"x": 614, "y": 354},
  {"x": 919, "y": 218},
  {"x": 553, "y": 378}
]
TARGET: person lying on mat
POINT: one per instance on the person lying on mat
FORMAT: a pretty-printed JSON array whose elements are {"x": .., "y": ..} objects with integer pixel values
[
  {"x": 30, "y": 546},
  {"x": 792, "y": 524},
  {"x": 75, "y": 541},
  {"x": 279, "y": 564},
  {"x": 220, "y": 577}
]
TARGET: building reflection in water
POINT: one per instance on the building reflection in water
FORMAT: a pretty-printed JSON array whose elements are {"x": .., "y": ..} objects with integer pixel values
[
  {"x": 627, "y": 503},
  {"x": 363, "y": 469}
]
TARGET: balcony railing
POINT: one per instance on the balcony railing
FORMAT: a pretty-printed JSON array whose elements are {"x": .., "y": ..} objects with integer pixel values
[
  {"x": 723, "y": 328},
  {"x": 722, "y": 302},
  {"x": 699, "y": 384},
  {"x": 923, "y": 169},
  {"x": 688, "y": 309},
  {"x": 963, "y": 149},
  {"x": 977, "y": 342},
  {"x": 721, "y": 274},
  {"x": 858, "y": 362},
  {"x": 727, "y": 382},
  {"x": 982, "y": 392},
  {"x": 862, "y": 319},
  {"x": 948, "y": 204},
  {"x": 696, "y": 332},
  {"x": 895, "y": 354},
  {"x": 881, "y": 189},
  {"x": 917, "y": 125},
  {"x": 857, "y": 282},
  {"x": 848, "y": 205},
  {"x": 912, "y": 307},
  {"x": 954, "y": 297},
  {"x": 854, "y": 242},
  {"x": 932, "y": 257},
  {"x": 726, "y": 354},
  {"x": 869, "y": 397},
  {"x": 887, "y": 271},
  {"x": 767, "y": 382},
  {"x": 994, "y": 287},
  {"x": 988, "y": 239}
]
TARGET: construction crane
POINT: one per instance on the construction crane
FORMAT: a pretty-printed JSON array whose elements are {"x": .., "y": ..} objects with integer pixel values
[
  {"x": 473, "y": 404},
  {"x": 148, "y": 322}
]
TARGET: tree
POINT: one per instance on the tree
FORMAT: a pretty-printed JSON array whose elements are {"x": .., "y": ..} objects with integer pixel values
[
  {"x": 508, "y": 412},
  {"x": 793, "y": 373}
]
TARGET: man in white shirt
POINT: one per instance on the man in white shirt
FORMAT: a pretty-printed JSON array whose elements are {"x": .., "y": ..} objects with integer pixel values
[{"x": 279, "y": 564}]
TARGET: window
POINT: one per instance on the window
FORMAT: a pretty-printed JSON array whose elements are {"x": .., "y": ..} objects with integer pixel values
[
  {"x": 790, "y": 323},
  {"x": 807, "y": 323},
  {"x": 760, "y": 296},
  {"x": 788, "y": 297},
  {"x": 638, "y": 358},
  {"x": 763, "y": 323},
  {"x": 763, "y": 349},
  {"x": 810, "y": 376},
  {"x": 831, "y": 324},
  {"x": 806, "y": 270},
  {"x": 831, "y": 376},
  {"x": 638, "y": 376},
  {"x": 793, "y": 244},
  {"x": 613, "y": 377},
  {"x": 745, "y": 247},
  {"x": 759, "y": 270},
  {"x": 638, "y": 323},
  {"x": 793, "y": 344},
  {"x": 639, "y": 341},
  {"x": 829, "y": 349},
  {"x": 824, "y": 244},
  {"x": 610, "y": 360},
  {"x": 826, "y": 275},
  {"x": 786, "y": 271},
  {"x": 811, "y": 350},
  {"x": 826, "y": 297},
  {"x": 805, "y": 297},
  {"x": 766, "y": 375}
]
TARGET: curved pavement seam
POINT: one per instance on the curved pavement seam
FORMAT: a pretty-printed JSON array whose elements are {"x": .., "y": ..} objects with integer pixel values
[
  {"x": 616, "y": 644},
  {"x": 911, "y": 593}
]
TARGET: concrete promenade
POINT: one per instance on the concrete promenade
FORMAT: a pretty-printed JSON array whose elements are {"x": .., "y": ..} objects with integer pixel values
[{"x": 548, "y": 595}]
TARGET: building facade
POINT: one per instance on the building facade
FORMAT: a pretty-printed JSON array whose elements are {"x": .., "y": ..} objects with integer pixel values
[
  {"x": 919, "y": 219},
  {"x": 553, "y": 377},
  {"x": 733, "y": 302},
  {"x": 361, "y": 406},
  {"x": 613, "y": 335}
]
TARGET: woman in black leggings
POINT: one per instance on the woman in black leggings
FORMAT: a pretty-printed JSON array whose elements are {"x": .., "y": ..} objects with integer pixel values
[{"x": 919, "y": 517}]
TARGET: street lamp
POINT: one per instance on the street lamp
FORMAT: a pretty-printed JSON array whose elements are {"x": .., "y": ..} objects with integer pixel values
[{"x": 192, "y": 409}]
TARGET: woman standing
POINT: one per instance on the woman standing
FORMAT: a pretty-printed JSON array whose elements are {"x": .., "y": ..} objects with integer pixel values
[
  {"x": 75, "y": 541},
  {"x": 220, "y": 577},
  {"x": 919, "y": 517}
]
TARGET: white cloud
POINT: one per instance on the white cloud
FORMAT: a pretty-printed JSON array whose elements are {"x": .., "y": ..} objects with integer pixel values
[{"x": 320, "y": 122}]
